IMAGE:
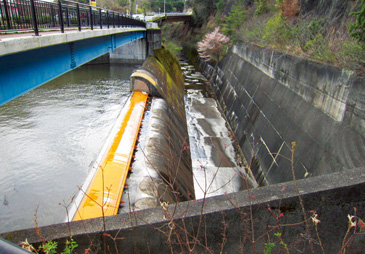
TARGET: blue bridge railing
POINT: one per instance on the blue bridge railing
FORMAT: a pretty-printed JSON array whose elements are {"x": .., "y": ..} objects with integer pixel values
[{"x": 37, "y": 15}]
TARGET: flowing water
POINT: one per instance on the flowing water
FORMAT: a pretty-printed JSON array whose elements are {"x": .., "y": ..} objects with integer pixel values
[{"x": 50, "y": 137}]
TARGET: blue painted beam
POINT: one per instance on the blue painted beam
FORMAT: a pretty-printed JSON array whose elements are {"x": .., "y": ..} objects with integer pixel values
[{"x": 24, "y": 71}]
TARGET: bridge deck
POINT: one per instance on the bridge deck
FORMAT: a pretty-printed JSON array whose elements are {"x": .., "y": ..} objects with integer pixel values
[
  {"x": 30, "y": 33},
  {"x": 19, "y": 42},
  {"x": 30, "y": 61}
]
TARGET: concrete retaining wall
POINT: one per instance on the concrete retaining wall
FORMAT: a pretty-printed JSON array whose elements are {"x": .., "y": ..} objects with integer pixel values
[
  {"x": 135, "y": 52},
  {"x": 272, "y": 99},
  {"x": 227, "y": 219},
  {"x": 153, "y": 40}
]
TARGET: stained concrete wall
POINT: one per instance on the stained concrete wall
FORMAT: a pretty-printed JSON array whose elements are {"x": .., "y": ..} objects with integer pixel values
[
  {"x": 153, "y": 40},
  {"x": 135, "y": 52},
  {"x": 272, "y": 99}
]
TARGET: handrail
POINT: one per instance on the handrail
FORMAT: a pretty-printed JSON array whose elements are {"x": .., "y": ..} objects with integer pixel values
[{"x": 38, "y": 15}]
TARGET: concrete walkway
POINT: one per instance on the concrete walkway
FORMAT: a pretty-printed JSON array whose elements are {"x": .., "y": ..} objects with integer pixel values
[{"x": 18, "y": 42}]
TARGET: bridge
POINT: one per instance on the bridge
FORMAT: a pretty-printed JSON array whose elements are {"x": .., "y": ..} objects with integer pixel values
[
  {"x": 172, "y": 17},
  {"x": 66, "y": 36},
  {"x": 165, "y": 17}
]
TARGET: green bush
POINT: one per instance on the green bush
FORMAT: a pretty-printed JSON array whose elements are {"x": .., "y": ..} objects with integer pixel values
[
  {"x": 277, "y": 32},
  {"x": 357, "y": 29},
  {"x": 220, "y": 6},
  {"x": 234, "y": 21},
  {"x": 307, "y": 30},
  {"x": 352, "y": 55},
  {"x": 173, "y": 47},
  {"x": 262, "y": 7}
]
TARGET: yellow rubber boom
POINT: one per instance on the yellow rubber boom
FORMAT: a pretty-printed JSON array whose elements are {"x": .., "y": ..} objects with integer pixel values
[{"x": 104, "y": 193}]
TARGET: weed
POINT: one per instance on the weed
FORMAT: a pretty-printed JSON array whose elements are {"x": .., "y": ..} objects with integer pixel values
[
  {"x": 357, "y": 29},
  {"x": 234, "y": 21},
  {"x": 277, "y": 32},
  {"x": 318, "y": 49},
  {"x": 352, "y": 55},
  {"x": 50, "y": 247},
  {"x": 269, "y": 246},
  {"x": 173, "y": 47},
  {"x": 262, "y": 7}
]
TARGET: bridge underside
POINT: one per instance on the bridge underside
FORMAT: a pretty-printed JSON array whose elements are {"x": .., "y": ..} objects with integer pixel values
[{"x": 24, "y": 71}]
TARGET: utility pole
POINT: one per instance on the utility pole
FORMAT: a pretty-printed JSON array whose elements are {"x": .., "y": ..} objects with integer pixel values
[{"x": 164, "y": 7}]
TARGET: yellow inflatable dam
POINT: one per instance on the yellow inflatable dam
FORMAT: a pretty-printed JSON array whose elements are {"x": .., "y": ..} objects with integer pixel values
[{"x": 103, "y": 194}]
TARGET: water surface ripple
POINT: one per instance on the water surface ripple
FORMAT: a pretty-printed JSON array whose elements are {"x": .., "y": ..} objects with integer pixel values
[{"x": 49, "y": 138}]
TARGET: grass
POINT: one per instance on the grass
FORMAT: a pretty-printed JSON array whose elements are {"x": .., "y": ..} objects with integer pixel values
[
  {"x": 309, "y": 36},
  {"x": 269, "y": 24}
]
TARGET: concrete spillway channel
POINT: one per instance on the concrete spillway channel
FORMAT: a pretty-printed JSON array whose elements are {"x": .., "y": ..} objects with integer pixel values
[
  {"x": 217, "y": 165},
  {"x": 185, "y": 149}
]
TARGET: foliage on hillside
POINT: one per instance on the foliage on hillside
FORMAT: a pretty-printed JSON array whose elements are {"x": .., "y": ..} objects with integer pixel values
[
  {"x": 280, "y": 24},
  {"x": 357, "y": 29},
  {"x": 213, "y": 45}
]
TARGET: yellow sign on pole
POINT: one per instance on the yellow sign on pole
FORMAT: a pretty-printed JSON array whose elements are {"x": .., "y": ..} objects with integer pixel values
[{"x": 93, "y": 3}]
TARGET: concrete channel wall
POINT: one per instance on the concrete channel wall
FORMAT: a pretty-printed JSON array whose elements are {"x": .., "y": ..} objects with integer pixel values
[
  {"x": 273, "y": 99},
  {"x": 135, "y": 52}
]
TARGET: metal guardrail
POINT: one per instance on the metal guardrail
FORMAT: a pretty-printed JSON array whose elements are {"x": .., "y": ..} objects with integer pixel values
[{"x": 38, "y": 15}]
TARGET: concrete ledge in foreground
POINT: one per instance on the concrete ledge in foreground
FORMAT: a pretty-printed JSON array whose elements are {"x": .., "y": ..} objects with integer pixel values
[{"x": 227, "y": 218}]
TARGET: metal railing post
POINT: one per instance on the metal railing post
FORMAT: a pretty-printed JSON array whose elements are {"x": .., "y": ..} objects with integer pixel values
[
  {"x": 107, "y": 18},
  {"x": 34, "y": 17},
  {"x": 113, "y": 20},
  {"x": 78, "y": 17},
  {"x": 60, "y": 14},
  {"x": 67, "y": 18},
  {"x": 7, "y": 14},
  {"x": 91, "y": 18},
  {"x": 53, "y": 16},
  {"x": 101, "y": 19}
]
